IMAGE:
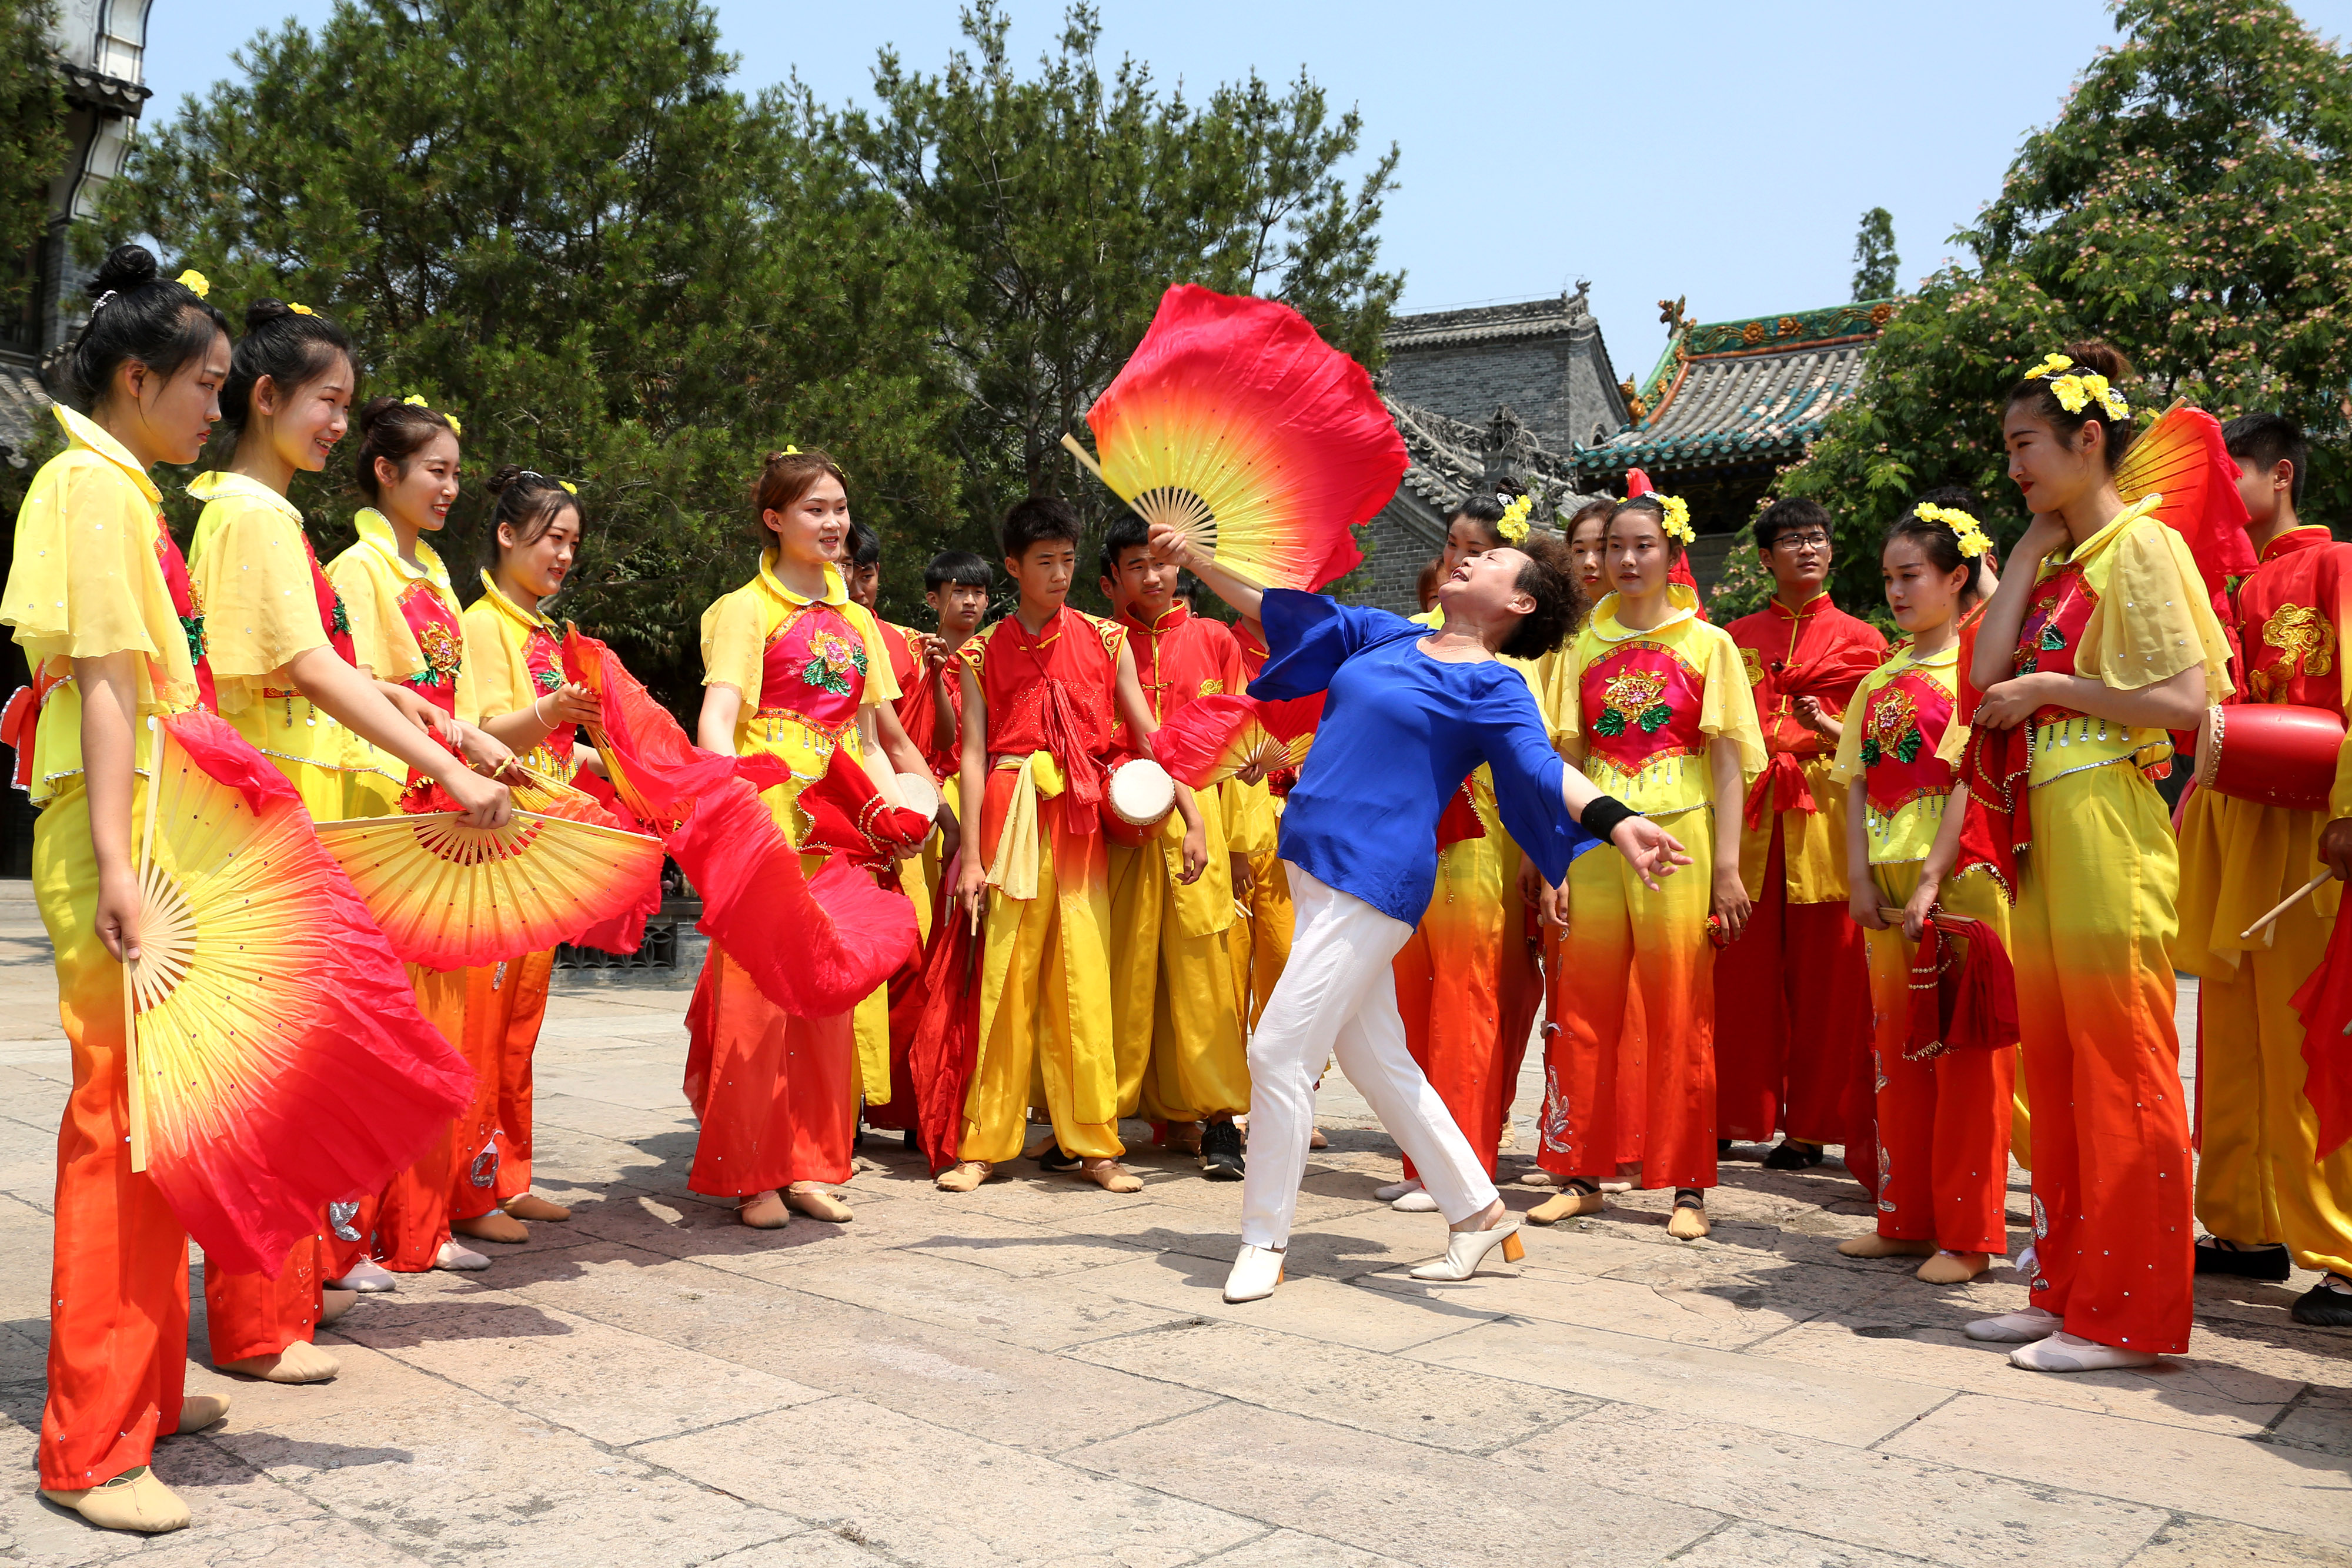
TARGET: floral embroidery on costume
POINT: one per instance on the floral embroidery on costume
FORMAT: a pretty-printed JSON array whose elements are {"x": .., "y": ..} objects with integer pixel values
[
  {"x": 1637, "y": 697},
  {"x": 1894, "y": 730},
  {"x": 833, "y": 659},
  {"x": 444, "y": 655}
]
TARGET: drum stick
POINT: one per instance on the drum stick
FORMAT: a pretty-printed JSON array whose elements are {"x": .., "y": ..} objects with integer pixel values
[
  {"x": 1242, "y": 909},
  {"x": 2289, "y": 902}
]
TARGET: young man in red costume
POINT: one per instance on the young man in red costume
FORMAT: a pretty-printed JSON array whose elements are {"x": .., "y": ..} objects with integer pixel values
[
  {"x": 2263, "y": 1196},
  {"x": 1792, "y": 1011},
  {"x": 1175, "y": 1019}
]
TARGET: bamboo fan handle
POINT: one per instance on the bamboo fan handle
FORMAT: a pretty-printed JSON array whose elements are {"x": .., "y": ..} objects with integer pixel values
[
  {"x": 2289, "y": 902},
  {"x": 1085, "y": 458},
  {"x": 1895, "y": 917},
  {"x": 133, "y": 1069}
]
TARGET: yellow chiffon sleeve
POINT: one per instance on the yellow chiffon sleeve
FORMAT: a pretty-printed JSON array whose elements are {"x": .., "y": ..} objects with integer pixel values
[
  {"x": 735, "y": 642},
  {"x": 2153, "y": 619},
  {"x": 381, "y": 640},
  {"x": 1846, "y": 766},
  {"x": 1728, "y": 708},
  {"x": 261, "y": 608},
  {"x": 1564, "y": 695},
  {"x": 881, "y": 680},
  {"x": 85, "y": 582},
  {"x": 494, "y": 654}
]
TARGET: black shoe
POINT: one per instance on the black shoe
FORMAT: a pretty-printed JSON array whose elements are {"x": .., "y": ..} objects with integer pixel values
[
  {"x": 2269, "y": 1264},
  {"x": 2323, "y": 1307},
  {"x": 1792, "y": 1156},
  {"x": 1723, "y": 1149},
  {"x": 1221, "y": 1151},
  {"x": 1052, "y": 1159},
  {"x": 914, "y": 1139}
]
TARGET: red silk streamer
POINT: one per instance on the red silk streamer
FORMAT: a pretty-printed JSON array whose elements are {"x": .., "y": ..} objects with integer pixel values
[
  {"x": 2324, "y": 1003},
  {"x": 1963, "y": 990},
  {"x": 944, "y": 1053}
]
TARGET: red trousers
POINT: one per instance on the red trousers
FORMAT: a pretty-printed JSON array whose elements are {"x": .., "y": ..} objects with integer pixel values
[
  {"x": 119, "y": 1272},
  {"x": 777, "y": 1095},
  {"x": 505, "y": 1005},
  {"x": 1793, "y": 1025},
  {"x": 412, "y": 1217},
  {"x": 247, "y": 1315},
  {"x": 900, "y": 1113}
]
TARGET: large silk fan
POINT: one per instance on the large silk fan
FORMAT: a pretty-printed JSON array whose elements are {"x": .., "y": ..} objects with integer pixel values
[
  {"x": 2183, "y": 460},
  {"x": 278, "y": 1061},
  {"x": 1212, "y": 739},
  {"x": 1235, "y": 424},
  {"x": 450, "y": 897}
]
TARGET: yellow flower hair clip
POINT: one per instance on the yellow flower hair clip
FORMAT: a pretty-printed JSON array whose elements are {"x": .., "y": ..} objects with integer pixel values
[
  {"x": 300, "y": 310},
  {"x": 416, "y": 399},
  {"x": 2077, "y": 393},
  {"x": 1965, "y": 528},
  {"x": 1678, "y": 523},
  {"x": 2050, "y": 366},
  {"x": 569, "y": 488},
  {"x": 1513, "y": 528},
  {"x": 196, "y": 283}
]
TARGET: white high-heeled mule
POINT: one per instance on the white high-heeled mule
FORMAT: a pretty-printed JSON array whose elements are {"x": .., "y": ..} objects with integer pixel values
[
  {"x": 1256, "y": 1272},
  {"x": 1465, "y": 1249}
]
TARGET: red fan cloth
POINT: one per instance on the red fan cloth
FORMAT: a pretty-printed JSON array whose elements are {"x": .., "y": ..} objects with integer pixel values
[
  {"x": 624, "y": 932},
  {"x": 1963, "y": 990},
  {"x": 1830, "y": 678},
  {"x": 2184, "y": 458},
  {"x": 367, "y": 1084},
  {"x": 2326, "y": 1004},
  {"x": 19, "y": 719},
  {"x": 849, "y": 817},
  {"x": 945, "y": 1050},
  {"x": 1459, "y": 820},
  {"x": 1637, "y": 483},
  {"x": 1211, "y": 739},
  {"x": 813, "y": 946}
]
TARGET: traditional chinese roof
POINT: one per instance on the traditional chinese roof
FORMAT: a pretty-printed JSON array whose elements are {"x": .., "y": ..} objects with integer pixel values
[
  {"x": 1746, "y": 391},
  {"x": 1552, "y": 316}
]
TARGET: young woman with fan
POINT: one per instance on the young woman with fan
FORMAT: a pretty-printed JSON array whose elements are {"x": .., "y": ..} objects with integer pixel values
[
  {"x": 2101, "y": 641},
  {"x": 1943, "y": 1122},
  {"x": 1409, "y": 712},
  {"x": 280, "y": 650},
  {"x": 516, "y": 656},
  {"x": 406, "y": 628},
  {"x": 795, "y": 669},
  {"x": 1044, "y": 689},
  {"x": 1654, "y": 703},
  {"x": 1466, "y": 986}
]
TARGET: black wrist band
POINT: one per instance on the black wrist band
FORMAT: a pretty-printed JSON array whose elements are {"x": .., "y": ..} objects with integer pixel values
[{"x": 1601, "y": 815}]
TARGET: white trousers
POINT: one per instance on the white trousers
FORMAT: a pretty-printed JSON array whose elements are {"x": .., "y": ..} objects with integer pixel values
[{"x": 1337, "y": 997}]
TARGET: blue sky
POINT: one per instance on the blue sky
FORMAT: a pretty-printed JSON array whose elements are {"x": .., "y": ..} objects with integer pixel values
[{"x": 1681, "y": 148}]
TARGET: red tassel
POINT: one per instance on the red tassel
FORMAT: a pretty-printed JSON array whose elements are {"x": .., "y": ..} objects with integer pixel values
[{"x": 1963, "y": 989}]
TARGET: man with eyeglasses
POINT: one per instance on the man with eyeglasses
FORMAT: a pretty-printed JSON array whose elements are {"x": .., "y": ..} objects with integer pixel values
[{"x": 1792, "y": 995}]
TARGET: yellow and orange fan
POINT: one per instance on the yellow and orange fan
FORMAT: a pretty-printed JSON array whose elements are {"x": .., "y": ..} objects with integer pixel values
[
  {"x": 449, "y": 896},
  {"x": 2184, "y": 462},
  {"x": 1236, "y": 424},
  {"x": 1218, "y": 736},
  {"x": 275, "y": 1060}
]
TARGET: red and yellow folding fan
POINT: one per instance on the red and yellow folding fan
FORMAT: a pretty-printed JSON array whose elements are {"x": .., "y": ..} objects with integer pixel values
[
  {"x": 277, "y": 1060},
  {"x": 2183, "y": 459},
  {"x": 813, "y": 946},
  {"x": 1210, "y": 740},
  {"x": 1236, "y": 423},
  {"x": 450, "y": 897},
  {"x": 535, "y": 792}
]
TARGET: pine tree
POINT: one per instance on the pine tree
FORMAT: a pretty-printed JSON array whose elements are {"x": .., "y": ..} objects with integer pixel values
[{"x": 1874, "y": 261}]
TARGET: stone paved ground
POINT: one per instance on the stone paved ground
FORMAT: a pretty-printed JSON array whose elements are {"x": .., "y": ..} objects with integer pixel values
[{"x": 1042, "y": 1374}]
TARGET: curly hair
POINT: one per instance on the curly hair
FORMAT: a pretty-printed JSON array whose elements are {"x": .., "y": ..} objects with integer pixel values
[{"x": 1549, "y": 578}]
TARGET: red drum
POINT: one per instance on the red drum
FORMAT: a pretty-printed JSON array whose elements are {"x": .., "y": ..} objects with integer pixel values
[
  {"x": 1138, "y": 801},
  {"x": 2275, "y": 753}
]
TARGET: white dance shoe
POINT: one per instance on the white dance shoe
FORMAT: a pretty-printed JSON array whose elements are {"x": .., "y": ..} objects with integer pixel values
[
  {"x": 1465, "y": 1249},
  {"x": 1395, "y": 1190},
  {"x": 2021, "y": 1327},
  {"x": 1415, "y": 1202},
  {"x": 459, "y": 1259},
  {"x": 1256, "y": 1272},
  {"x": 367, "y": 1277}
]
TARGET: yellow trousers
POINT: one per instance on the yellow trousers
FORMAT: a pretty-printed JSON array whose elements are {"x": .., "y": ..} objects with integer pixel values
[
  {"x": 1260, "y": 945},
  {"x": 1045, "y": 1004},
  {"x": 2256, "y": 1180},
  {"x": 1175, "y": 1024}
]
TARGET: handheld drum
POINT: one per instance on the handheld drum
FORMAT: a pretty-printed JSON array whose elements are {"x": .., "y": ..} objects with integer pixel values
[
  {"x": 2276, "y": 753},
  {"x": 921, "y": 795},
  {"x": 1140, "y": 797}
]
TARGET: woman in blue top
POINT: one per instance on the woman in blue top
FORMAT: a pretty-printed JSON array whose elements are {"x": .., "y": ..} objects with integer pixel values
[{"x": 1409, "y": 712}]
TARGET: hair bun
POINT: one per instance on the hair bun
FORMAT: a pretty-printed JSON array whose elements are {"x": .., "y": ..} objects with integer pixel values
[
  {"x": 375, "y": 408},
  {"x": 126, "y": 267},
  {"x": 505, "y": 476},
  {"x": 772, "y": 458},
  {"x": 2102, "y": 358},
  {"x": 262, "y": 312}
]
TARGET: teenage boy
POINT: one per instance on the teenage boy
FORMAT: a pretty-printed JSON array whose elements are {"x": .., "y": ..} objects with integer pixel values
[
  {"x": 1042, "y": 689},
  {"x": 1176, "y": 1022},
  {"x": 2264, "y": 1197}
]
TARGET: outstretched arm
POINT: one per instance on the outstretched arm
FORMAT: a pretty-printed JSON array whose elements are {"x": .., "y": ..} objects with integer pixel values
[{"x": 1173, "y": 545}]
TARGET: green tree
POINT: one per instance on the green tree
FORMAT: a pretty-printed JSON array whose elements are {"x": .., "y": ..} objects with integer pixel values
[
  {"x": 1874, "y": 261},
  {"x": 554, "y": 218},
  {"x": 1072, "y": 200},
  {"x": 2191, "y": 205}
]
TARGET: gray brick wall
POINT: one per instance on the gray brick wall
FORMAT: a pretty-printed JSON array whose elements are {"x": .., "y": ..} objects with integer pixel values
[{"x": 1554, "y": 385}]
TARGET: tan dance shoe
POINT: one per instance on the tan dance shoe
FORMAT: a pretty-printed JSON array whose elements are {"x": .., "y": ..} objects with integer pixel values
[
  {"x": 965, "y": 1177},
  {"x": 502, "y": 1228},
  {"x": 334, "y": 1303},
  {"x": 763, "y": 1211},
  {"x": 300, "y": 1362},
  {"x": 531, "y": 1206},
  {"x": 1567, "y": 1204},
  {"x": 135, "y": 1500},
  {"x": 198, "y": 1411},
  {"x": 1110, "y": 1176},
  {"x": 1954, "y": 1268},
  {"x": 1876, "y": 1245},
  {"x": 1688, "y": 1222},
  {"x": 817, "y": 1204}
]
